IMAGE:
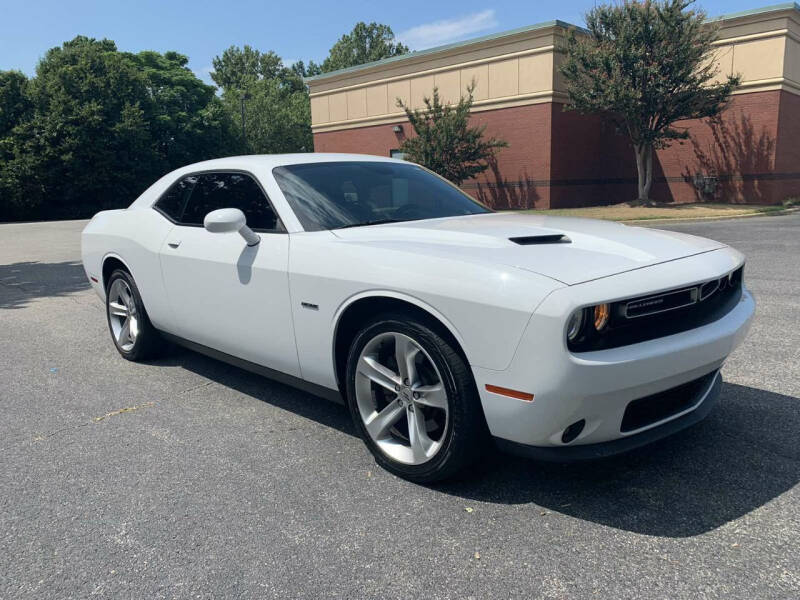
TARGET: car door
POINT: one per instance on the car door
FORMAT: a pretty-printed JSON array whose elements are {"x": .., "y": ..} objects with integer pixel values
[{"x": 225, "y": 294}]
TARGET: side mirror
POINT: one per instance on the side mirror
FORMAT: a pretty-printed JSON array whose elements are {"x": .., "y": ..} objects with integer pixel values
[{"x": 228, "y": 220}]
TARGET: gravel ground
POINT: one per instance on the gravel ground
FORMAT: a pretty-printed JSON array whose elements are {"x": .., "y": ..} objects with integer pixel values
[{"x": 188, "y": 478}]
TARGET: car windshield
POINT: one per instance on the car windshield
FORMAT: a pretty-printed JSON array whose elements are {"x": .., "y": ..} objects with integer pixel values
[{"x": 335, "y": 195}]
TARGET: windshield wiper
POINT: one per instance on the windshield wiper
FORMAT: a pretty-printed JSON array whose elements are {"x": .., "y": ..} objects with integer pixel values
[{"x": 375, "y": 222}]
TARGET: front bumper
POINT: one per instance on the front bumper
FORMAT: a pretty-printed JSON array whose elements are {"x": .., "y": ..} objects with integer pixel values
[
  {"x": 624, "y": 444},
  {"x": 598, "y": 386}
]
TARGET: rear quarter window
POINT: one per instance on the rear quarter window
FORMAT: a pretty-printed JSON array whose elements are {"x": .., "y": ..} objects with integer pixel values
[{"x": 173, "y": 202}]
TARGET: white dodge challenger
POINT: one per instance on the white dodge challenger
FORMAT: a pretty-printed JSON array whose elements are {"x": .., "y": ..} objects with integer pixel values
[{"x": 439, "y": 323}]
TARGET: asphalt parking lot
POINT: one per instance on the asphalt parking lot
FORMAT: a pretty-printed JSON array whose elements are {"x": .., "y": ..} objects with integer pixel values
[{"x": 188, "y": 478}]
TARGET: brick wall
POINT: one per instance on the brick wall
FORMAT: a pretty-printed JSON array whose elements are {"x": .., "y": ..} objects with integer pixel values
[
  {"x": 739, "y": 148},
  {"x": 558, "y": 158}
]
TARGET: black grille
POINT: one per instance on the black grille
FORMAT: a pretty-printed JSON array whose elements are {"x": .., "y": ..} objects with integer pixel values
[
  {"x": 635, "y": 320},
  {"x": 652, "y": 409}
]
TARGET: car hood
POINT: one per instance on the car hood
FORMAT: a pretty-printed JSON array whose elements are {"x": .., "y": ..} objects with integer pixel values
[{"x": 591, "y": 249}]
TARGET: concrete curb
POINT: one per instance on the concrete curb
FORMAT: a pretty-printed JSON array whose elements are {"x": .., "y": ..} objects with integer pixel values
[{"x": 771, "y": 213}]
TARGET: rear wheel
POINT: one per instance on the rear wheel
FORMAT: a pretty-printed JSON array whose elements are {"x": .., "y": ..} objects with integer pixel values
[
  {"x": 413, "y": 399},
  {"x": 130, "y": 327}
]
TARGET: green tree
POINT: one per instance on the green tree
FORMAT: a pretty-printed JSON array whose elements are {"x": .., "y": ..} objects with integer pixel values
[
  {"x": 277, "y": 121},
  {"x": 187, "y": 121},
  {"x": 15, "y": 103},
  {"x": 102, "y": 126},
  {"x": 365, "y": 43},
  {"x": 445, "y": 142},
  {"x": 306, "y": 70},
  {"x": 276, "y": 104},
  {"x": 237, "y": 68},
  {"x": 644, "y": 66}
]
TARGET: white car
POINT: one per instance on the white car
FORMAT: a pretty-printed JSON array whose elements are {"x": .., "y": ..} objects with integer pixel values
[{"x": 439, "y": 323}]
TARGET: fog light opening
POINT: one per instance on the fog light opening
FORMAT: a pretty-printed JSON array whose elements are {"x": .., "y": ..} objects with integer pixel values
[{"x": 573, "y": 431}]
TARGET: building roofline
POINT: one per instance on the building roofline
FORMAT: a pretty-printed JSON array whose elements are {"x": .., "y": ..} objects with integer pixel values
[
  {"x": 757, "y": 11},
  {"x": 494, "y": 36},
  {"x": 443, "y": 48}
]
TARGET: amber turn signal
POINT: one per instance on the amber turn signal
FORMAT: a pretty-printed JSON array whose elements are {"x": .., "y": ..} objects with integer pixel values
[
  {"x": 601, "y": 314},
  {"x": 496, "y": 389}
]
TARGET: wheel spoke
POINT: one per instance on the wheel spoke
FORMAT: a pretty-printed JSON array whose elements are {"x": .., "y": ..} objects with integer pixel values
[
  {"x": 133, "y": 329},
  {"x": 126, "y": 297},
  {"x": 125, "y": 332},
  {"x": 118, "y": 310},
  {"x": 431, "y": 395},
  {"x": 406, "y": 353},
  {"x": 379, "y": 423},
  {"x": 417, "y": 434},
  {"x": 370, "y": 368}
]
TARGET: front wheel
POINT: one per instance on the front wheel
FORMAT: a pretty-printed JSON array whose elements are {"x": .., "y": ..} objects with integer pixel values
[{"x": 413, "y": 399}]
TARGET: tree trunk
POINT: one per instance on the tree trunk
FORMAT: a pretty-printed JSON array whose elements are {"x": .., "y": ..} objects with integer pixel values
[{"x": 644, "y": 168}]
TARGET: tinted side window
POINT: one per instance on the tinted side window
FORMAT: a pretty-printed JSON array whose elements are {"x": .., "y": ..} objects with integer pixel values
[
  {"x": 229, "y": 190},
  {"x": 173, "y": 201}
]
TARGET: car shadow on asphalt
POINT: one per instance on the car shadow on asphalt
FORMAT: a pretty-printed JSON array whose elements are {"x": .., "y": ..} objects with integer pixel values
[
  {"x": 741, "y": 457},
  {"x": 256, "y": 386},
  {"x": 25, "y": 281}
]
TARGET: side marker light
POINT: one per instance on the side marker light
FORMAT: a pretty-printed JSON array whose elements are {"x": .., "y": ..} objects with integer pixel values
[{"x": 510, "y": 393}]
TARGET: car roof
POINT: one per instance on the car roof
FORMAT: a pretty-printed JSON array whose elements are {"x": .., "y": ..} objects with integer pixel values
[
  {"x": 253, "y": 163},
  {"x": 269, "y": 161}
]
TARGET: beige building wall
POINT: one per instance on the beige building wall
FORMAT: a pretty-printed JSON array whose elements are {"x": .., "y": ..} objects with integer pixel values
[{"x": 520, "y": 67}]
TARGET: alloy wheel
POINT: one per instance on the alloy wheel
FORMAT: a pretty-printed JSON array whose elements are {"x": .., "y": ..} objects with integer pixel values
[
  {"x": 122, "y": 314},
  {"x": 401, "y": 398}
]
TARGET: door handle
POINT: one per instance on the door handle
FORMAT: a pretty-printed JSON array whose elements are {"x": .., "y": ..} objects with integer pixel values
[{"x": 174, "y": 244}]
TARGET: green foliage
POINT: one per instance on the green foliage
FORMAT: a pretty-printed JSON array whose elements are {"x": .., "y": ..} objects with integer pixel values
[
  {"x": 276, "y": 104},
  {"x": 276, "y": 121},
  {"x": 239, "y": 68},
  {"x": 366, "y": 43},
  {"x": 645, "y": 66},
  {"x": 96, "y": 126},
  {"x": 102, "y": 126},
  {"x": 306, "y": 70},
  {"x": 15, "y": 103},
  {"x": 444, "y": 141}
]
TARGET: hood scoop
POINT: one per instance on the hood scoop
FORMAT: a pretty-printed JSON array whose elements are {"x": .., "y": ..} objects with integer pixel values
[{"x": 537, "y": 240}]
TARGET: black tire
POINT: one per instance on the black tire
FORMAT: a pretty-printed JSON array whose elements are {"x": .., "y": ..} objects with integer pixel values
[
  {"x": 465, "y": 435},
  {"x": 148, "y": 343}
]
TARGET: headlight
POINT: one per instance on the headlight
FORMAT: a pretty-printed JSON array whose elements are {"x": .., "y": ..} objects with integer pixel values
[
  {"x": 601, "y": 314},
  {"x": 574, "y": 325}
]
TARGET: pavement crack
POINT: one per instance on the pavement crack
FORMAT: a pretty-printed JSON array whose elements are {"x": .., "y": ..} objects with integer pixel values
[
  {"x": 120, "y": 411},
  {"x": 113, "y": 413}
]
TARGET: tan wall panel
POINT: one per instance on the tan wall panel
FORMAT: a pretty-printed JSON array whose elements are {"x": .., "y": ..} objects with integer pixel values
[
  {"x": 559, "y": 84},
  {"x": 722, "y": 57},
  {"x": 398, "y": 89},
  {"x": 449, "y": 84},
  {"x": 792, "y": 65},
  {"x": 377, "y": 100},
  {"x": 357, "y": 104},
  {"x": 536, "y": 73},
  {"x": 319, "y": 110},
  {"x": 504, "y": 78},
  {"x": 480, "y": 75},
  {"x": 754, "y": 26},
  {"x": 759, "y": 59},
  {"x": 420, "y": 88},
  {"x": 338, "y": 106}
]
